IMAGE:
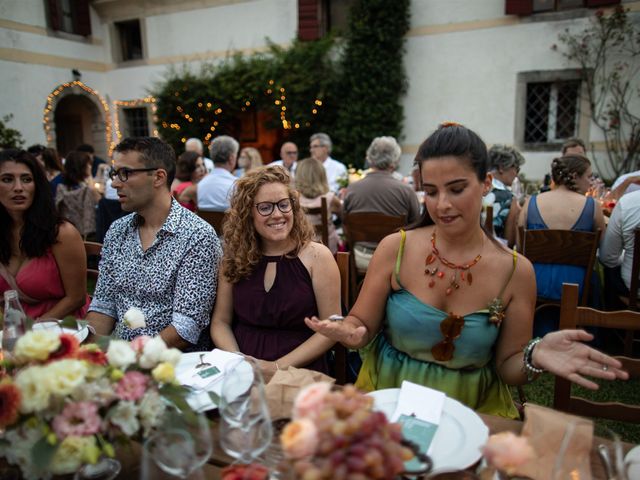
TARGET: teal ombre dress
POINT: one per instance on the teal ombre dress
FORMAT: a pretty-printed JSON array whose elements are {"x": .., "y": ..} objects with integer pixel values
[{"x": 402, "y": 351}]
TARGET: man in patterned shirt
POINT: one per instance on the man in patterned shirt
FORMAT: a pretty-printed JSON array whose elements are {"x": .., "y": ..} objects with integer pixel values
[{"x": 161, "y": 259}]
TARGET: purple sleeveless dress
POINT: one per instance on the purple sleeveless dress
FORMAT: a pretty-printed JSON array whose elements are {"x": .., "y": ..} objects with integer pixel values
[{"x": 268, "y": 325}]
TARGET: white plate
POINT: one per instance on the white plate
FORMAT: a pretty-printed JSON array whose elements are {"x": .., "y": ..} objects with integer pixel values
[
  {"x": 81, "y": 334},
  {"x": 633, "y": 456},
  {"x": 460, "y": 435}
]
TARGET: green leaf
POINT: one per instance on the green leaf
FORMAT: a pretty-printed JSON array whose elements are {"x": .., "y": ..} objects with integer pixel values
[
  {"x": 42, "y": 453},
  {"x": 103, "y": 342},
  {"x": 69, "y": 322}
]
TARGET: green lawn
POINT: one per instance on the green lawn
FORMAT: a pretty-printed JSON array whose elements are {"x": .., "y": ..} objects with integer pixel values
[{"x": 541, "y": 392}]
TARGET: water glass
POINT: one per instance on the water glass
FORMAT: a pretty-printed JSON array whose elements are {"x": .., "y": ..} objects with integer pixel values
[
  {"x": 245, "y": 423},
  {"x": 169, "y": 455}
]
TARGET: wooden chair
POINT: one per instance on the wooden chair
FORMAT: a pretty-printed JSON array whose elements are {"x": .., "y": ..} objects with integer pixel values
[
  {"x": 340, "y": 352},
  {"x": 572, "y": 316},
  {"x": 488, "y": 220},
  {"x": 632, "y": 300},
  {"x": 566, "y": 247},
  {"x": 215, "y": 219},
  {"x": 367, "y": 227},
  {"x": 322, "y": 229},
  {"x": 93, "y": 250}
]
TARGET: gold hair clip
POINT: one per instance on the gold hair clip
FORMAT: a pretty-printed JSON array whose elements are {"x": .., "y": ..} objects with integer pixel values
[{"x": 450, "y": 124}]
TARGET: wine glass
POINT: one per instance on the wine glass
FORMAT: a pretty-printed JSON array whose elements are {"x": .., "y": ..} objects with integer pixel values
[
  {"x": 568, "y": 464},
  {"x": 168, "y": 455},
  {"x": 182, "y": 443},
  {"x": 245, "y": 422}
]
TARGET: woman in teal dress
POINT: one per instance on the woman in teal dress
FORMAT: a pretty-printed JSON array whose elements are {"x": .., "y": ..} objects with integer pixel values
[{"x": 445, "y": 305}]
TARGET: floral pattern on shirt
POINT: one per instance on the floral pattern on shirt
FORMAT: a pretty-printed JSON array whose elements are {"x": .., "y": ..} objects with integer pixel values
[{"x": 173, "y": 282}]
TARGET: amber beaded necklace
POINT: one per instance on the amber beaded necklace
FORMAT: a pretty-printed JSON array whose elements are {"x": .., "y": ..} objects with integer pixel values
[{"x": 461, "y": 273}]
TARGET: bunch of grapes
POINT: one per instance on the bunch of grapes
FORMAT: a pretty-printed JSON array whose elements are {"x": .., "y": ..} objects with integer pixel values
[{"x": 354, "y": 442}]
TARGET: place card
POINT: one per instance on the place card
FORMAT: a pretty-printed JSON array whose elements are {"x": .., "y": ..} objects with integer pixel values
[{"x": 419, "y": 410}]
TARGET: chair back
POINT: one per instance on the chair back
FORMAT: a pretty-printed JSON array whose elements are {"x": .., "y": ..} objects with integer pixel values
[
  {"x": 488, "y": 220},
  {"x": 367, "y": 227},
  {"x": 93, "y": 250},
  {"x": 340, "y": 352},
  {"x": 322, "y": 212},
  {"x": 574, "y": 316},
  {"x": 565, "y": 247},
  {"x": 215, "y": 219}
]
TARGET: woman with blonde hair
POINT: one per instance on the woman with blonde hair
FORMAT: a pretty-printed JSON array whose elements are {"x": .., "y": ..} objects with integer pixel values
[
  {"x": 248, "y": 159},
  {"x": 272, "y": 276},
  {"x": 311, "y": 182}
]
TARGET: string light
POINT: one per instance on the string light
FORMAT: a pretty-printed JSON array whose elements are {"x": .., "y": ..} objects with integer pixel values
[
  {"x": 140, "y": 102},
  {"x": 52, "y": 100}
]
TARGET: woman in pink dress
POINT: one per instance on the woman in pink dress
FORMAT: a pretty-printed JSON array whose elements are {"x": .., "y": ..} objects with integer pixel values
[
  {"x": 41, "y": 255},
  {"x": 190, "y": 170}
]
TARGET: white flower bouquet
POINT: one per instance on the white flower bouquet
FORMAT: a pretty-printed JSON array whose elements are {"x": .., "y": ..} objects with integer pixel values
[{"x": 63, "y": 405}]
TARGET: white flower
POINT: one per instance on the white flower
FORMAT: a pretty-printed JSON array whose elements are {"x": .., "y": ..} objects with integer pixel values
[
  {"x": 151, "y": 409},
  {"x": 33, "y": 383},
  {"x": 99, "y": 391},
  {"x": 66, "y": 375},
  {"x": 171, "y": 355},
  {"x": 124, "y": 416},
  {"x": 37, "y": 345},
  {"x": 134, "y": 318},
  {"x": 152, "y": 352},
  {"x": 120, "y": 354},
  {"x": 20, "y": 442},
  {"x": 70, "y": 454}
]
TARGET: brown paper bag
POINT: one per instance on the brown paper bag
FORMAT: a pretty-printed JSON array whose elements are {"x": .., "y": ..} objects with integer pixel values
[
  {"x": 283, "y": 387},
  {"x": 545, "y": 428}
]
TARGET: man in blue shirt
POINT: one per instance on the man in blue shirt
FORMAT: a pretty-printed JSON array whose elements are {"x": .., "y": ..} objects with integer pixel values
[{"x": 214, "y": 190}]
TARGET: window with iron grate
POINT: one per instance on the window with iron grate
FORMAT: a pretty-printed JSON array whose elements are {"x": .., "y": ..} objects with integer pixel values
[
  {"x": 551, "y": 111},
  {"x": 137, "y": 122}
]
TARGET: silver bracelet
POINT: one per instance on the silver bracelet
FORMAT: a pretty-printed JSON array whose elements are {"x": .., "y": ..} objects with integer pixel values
[{"x": 527, "y": 364}]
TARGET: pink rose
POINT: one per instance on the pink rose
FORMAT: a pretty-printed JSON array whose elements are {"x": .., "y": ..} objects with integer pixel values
[
  {"x": 77, "y": 419},
  {"x": 310, "y": 400},
  {"x": 138, "y": 343},
  {"x": 299, "y": 439},
  {"x": 132, "y": 386},
  {"x": 506, "y": 452}
]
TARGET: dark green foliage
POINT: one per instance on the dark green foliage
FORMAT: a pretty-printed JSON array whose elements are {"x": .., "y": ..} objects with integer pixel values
[
  {"x": 9, "y": 137},
  {"x": 372, "y": 78}
]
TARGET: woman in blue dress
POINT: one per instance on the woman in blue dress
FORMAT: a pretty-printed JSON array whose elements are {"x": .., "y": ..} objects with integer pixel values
[{"x": 447, "y": 306}]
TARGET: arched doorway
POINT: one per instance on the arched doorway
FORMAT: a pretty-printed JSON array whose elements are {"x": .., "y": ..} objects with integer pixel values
[
  {"x": 76, "y": 114},
  {"x": 74, "y": 120}
]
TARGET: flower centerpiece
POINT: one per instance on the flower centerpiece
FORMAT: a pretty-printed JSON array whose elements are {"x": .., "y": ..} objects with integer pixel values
[
  {"x": 63, "y": 405},
  {"x": 504, "y": 453},
  {"x": 336, "y": 434}
]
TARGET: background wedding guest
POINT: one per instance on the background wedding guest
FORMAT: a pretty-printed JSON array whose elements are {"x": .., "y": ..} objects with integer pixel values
[
  {"x": 189, "y": 171},
  {"x": 50, "y": 161},
  {"x": 96, "y": 161},
  {"x": 41, "y": 255},
  {"x": 574, "y": 146},
  {"x": 288, "y": 157},
  {"x": 195, "y": 145},
  {"x": 418, "y": 321},
  {"x": 272, "y": 277},
  {"x": 248, "y": 159},
  {"x": 320, "y": 146},
  {"x": 311, "y": 183},
  {"x": 161, "y": 258}
]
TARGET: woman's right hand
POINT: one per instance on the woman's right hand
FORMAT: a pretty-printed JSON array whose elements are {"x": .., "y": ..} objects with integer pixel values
[{"x": 343, "y": 331}]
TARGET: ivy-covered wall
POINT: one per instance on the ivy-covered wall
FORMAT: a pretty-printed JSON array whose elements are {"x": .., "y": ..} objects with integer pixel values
[{"x": 349, "y": 90}]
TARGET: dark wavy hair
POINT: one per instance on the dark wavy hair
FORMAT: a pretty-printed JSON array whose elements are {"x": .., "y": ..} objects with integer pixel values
[
  {"x": 51, "y": 160},
  {"x": 565, "y": 169},
  {"x": 452, "y": 139},
  {"x": 186, "y": 165},
  {"x": 41, "y": 220},
  {"x": 75, "y": 167},
  {"x": 154, "y": 153}
]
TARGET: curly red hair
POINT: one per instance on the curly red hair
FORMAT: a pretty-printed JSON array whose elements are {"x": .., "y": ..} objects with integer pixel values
[{"x": 242, "y": 250}]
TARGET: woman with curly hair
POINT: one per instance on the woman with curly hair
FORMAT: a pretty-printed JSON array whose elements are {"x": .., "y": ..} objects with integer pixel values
[
  {"x": 248, "y": 159},
  {"x": 272, "y": 277},
  {"x": 564, "y": 208},
  {"x": 41, "y": 255}
]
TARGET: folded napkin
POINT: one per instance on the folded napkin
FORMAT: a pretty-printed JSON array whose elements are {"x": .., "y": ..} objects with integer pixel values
[
  {"x": 546, "y": 429},
  {"x": 283, "y": 387}
]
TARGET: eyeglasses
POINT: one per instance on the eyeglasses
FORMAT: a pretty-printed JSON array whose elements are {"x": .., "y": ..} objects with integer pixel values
[
  {"x": 124, "y": 172},
  {"x": 317, "y": 146},
  {"x": 266, "y": 208},
  {"x": 451, "y": 328},
  {"x": 293, "y": 152}
]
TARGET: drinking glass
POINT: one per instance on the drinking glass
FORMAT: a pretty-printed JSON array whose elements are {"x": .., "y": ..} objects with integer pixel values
[
  {"x": 168, "y": 455},
  {"x": 245, "y": 422},
  {"x": 567, "y": 464}
]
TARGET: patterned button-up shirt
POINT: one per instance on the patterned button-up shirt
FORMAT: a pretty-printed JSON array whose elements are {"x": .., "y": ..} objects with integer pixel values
[{"x": 173, "y": 282}]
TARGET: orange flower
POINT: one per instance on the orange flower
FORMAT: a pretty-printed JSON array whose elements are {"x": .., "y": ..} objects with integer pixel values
[
  {"x": 92, "y": 354},
  {"x": 69, "y": 346},
  {"x": 245, "y": 472},
  {"x": 9, "y": 404}
]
